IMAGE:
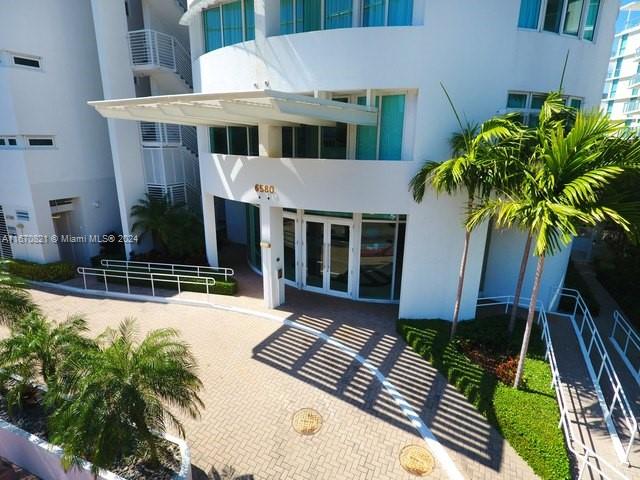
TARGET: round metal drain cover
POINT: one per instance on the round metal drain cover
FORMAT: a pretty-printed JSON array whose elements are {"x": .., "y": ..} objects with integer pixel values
[
  {"x": 307, "y": 421},
  {"x": 417, "y": 460}
]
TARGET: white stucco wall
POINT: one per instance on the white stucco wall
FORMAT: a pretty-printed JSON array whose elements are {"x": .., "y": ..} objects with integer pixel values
[
  {"x": 51, "y": 101},
  {"x": 475, "y": 49}
]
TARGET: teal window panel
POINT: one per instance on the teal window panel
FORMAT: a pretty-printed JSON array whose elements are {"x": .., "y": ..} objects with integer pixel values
[
  {"x": 238, "y": 141},
  {"x": 529, "y": 14},
  {"x": 286, "y": 17},
  {"x": 517, "y": 100},
  {"x": 311, "y": 15},
  {"x": 553, "y": 15},
  {"x": 306, "y": 141},
  {"x": 366, "y": 137},
  {"x": 373, "y": 13},
  {"x": 249, "y": 20},
  {"x": 338, "y": 14},
  {"x": 391, "y": 127},
  {"x": 212, "y": 29},
  {"x": 254, "y": 146},
  {"x": 400, "y": 12},
  {"x": 232, "y": 23},
  {"x": 593, "y": 9},
  {"x": 573, "y": 17}
]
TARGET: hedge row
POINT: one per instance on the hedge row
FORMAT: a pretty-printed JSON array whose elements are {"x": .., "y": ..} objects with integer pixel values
[
  {"x": 42, "y": 272},
  {"x": 221, "y": 287}
]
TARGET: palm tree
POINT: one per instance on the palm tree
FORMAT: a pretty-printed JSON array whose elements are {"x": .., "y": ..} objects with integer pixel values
[
  {"x": 565, "y": 186},
  {"x": 35, "y": 350},
  {"x": 472, "y": 170},
  {"x": 153, "y": 217},
  {"x": 118, "y": 397},
  {"x": 15, "y": 301},
  {"x": 518, "y": 152}
]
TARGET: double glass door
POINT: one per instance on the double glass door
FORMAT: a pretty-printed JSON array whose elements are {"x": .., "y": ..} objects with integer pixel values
[{"x": 327, "y": 256}]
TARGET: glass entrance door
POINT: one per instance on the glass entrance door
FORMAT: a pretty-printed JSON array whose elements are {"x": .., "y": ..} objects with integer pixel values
[{"x": 327, "y": 259}]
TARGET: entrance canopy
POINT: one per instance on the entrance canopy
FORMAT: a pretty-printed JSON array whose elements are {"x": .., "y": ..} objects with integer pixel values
[{"x": 237, "y": 108}]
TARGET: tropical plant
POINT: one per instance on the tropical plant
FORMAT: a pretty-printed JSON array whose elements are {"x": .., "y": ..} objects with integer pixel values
[
  {"x": 565, "y": 186},
  {"x": 152, "y": 215},
  {"x": 35, "y": 350},
  {"x": 15, "y": 301},
  {"x": 472, "y": 170},
  {"x": 118, "y": 397}
]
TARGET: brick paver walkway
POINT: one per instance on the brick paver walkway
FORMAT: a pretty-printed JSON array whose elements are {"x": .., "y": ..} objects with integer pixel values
[{"x": 257, "y": 373}]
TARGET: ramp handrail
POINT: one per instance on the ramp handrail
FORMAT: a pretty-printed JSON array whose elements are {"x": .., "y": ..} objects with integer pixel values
[
  {"x": 585, "y": 456},
  {"x": 610, "y": 381},
  {"x": 173, "y": 268},
  {"x": 629, "y": 338},
  {"x": 152, "y": 277}
]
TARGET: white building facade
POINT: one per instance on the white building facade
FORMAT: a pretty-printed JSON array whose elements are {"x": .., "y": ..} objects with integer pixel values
[
  {"x": 621, "y": 95},
  {"x": 313, "y": 116},
  {"x": 56, "y": 173}
]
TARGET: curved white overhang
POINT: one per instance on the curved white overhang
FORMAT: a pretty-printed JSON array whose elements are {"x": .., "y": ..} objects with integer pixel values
[
  {"x": 194, "y": 9},
  {"x": 237, "y": 108}
]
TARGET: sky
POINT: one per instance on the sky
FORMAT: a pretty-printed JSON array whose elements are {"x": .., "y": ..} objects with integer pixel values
[{"x": 622, "y": 18}]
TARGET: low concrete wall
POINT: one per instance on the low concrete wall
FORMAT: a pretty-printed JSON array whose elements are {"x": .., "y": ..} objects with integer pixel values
[{"x": 43, "y": 459}]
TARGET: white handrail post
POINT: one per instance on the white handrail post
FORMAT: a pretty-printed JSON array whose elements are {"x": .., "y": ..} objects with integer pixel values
[
  {"x": 127, "y": 275},
  {"x": 106, "y": 287},
  {"x": 178, "y": 277},
  {"x": 153, "y": 290},
  {"x": 84, "y": 278},
  {"x": 206, "y": 281}
]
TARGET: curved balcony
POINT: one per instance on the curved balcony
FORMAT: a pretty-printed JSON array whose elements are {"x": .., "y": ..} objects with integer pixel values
[{"x": 151, "y": 50}]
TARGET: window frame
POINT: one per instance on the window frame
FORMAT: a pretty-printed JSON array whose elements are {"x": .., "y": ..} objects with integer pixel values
[
  {"x": 6, "y": 142},
  {"x": 563, "y": 15},
  {"x": 527, "y": 111},
  {"x": 29, "y": 138}
]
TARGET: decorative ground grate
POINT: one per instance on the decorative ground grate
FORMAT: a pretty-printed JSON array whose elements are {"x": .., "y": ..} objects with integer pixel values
[
  {"x": 417, "y": 460},
  {"x": 307, "y": 421}
]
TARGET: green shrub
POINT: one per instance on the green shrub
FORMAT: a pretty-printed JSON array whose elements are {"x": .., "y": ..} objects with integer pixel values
[
  {"x": 221, "y": 287},
  {"x": 42, "y": 272},
  {"x": 527, "y": 418}
]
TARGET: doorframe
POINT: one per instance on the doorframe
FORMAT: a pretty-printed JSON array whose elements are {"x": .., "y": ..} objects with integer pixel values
[{"x": 326, "y": 221}]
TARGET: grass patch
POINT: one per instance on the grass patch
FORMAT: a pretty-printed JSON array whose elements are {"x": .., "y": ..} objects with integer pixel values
[{"x": 527, "y": 418}]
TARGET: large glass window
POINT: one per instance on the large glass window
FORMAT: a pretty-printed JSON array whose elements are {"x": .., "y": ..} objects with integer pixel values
[
  {"x": 385, "y": 141},
  {"x": 380, "y": 265},
  {"x": 338, "y": 14},
  {"x": 253, "y": 236},
  {"x": 376, "y": 13},
  {"x": 573, "y": 16},
  {"x": 530, "y": 103},
  {"x": 622, "y": 45},
  {"x": 529, "y": 14},
  {"x": 568, "y": 14},
  {"x": 592, "y": 17},
  {"x": 306, "y": 143},
  {"x": 228, "y": 24},
  {"x": 234, "y": 140}
]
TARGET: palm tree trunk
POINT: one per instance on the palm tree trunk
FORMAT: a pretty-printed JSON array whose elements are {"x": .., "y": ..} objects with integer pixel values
[
  {"x": 463, "y": 268},
  {"x": 516, "y": 296},
  {"x": 530, "y": 317}
]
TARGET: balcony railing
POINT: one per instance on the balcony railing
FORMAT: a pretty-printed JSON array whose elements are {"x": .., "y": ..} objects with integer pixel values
[
  {"x": 155, "y": 49},
  {"x": 632, "y": 107},
  {"x": 634, "y": 81},
  {"x": 165, "y": 134}
]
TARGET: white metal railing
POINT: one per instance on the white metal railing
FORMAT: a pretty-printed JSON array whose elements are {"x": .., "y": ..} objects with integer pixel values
[
  {"x": 604, "y": 377},
  {"x": 632, "y": 106},
  {"x": 172, "y": 268},
  {"x": 175, "y": 194},
  {"x": 626, "y": 341},
  {"x": 148, "y": 47},
  {"x": 155, "y": 279},
  {"x": 634, "y": 81},
  {"x": 586, "y": 458},
  {"x": 161, "y": 134}
]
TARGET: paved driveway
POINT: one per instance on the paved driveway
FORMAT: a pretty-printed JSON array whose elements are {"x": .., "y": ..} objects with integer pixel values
[{"x": 258, "y": 373}]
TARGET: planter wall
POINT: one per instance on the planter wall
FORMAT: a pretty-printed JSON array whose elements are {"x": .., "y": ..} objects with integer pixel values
[{"x": 43, "y": 459}]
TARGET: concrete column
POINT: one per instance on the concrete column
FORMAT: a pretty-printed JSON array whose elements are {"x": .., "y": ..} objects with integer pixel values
[
  {"x": 270, "y": 140},
  {"x": 210, "y": 231},
  {"x": 110, "y": 24},
  {"x": 272, "y": 247}
]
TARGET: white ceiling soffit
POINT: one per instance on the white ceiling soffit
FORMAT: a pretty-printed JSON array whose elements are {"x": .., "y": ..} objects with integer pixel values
[
  {"x": 237, "y": 108},
  {"x": 195, "y": 8}
]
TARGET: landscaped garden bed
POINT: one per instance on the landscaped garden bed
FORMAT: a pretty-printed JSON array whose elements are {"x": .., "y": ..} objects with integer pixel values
[
  {"x": 43, "y": 272},
  {"x": 478, "y": 362}
]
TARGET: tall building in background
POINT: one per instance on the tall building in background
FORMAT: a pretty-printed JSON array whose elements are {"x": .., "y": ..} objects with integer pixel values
[
  {"x": 56, "y": 173},
  {"x": 621, "y": 95},
  {"x": 313, "y": 116}
]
